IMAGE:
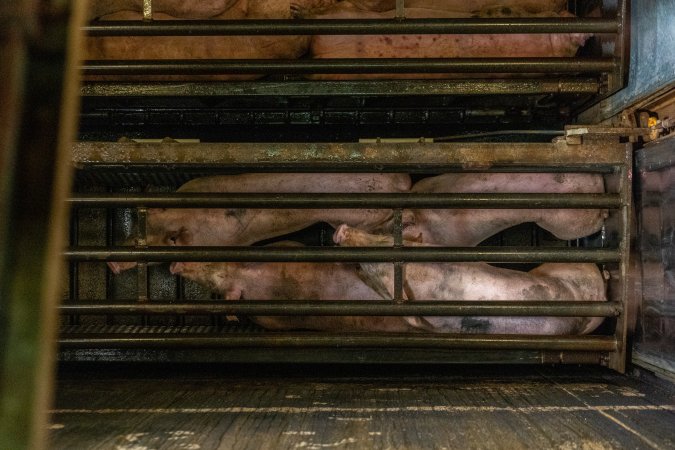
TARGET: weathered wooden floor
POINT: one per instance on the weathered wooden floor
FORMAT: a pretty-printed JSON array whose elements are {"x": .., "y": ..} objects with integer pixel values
[{"x": 141, "y": 408}]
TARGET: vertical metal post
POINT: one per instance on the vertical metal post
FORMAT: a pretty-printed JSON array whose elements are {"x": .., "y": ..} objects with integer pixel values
[
  {"x": 617, "y": 360},
  {"x": 35, "y": 215},
  {"x": 617, "y": 77},
  {"x": 398, "y": 265},
  {"x": 142, "y": 242},
  {"x": 109, "y": 241},
  {"x": 147, "y": 9},
  {"x": 74, "y": 278},
  {"x": 400, "y": 9}
]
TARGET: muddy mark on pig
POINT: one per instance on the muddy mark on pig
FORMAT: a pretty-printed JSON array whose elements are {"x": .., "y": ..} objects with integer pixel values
[
  {"x": 475, "y": 325},
  {"x": 536, "y": 292}
]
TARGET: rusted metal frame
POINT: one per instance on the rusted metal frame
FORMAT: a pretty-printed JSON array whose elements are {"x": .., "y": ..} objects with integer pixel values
[
  {"x": 345, "y": 254},
  {"x": 618, "y": 358},
  {"x": 38, "y": 178},
  {"x": 350, "y": 157},
  {"x": 354, "y": 307},
  {"x": 619, "y": 75},
  {"x": 346, "y": 65},
  {"x": 345, "y": 87},
  {"x": 347, "y": 200},
  {"x": 346, "y": 340},
  {"x": 147, "y": 10},
  {"x": 349, "y": 26}
]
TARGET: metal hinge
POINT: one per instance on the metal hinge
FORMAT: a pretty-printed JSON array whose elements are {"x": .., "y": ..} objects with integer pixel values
[{"x": 574, "y": 133}]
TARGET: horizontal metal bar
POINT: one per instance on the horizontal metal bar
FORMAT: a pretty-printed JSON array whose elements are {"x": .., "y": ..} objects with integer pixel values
[
  {"x": 300, "y": 355},
  {"x": 336, "y": 157},
  {"x": 352, "y": 307},
  {"x": 345, "y": 254},
  {"x": 349, "y": 26},
  {"x": 346, "y": 87},
  {"x": 347, "y": 340},
  {"x": 346, "y": 200},
  {"x": 346, "y": 65}
]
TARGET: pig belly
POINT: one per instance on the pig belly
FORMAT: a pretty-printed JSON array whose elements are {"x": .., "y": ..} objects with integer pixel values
[
  {"x": 247, "y": 226},
  {"x": 482, "y": 282},
  {"x": 190, "y": 48},
  {"x": 217, "y": 227},
  {"x": 469, "y": 227},
  {"x": 301, "y": 182},
  {"x": 434, "y": 45},
  {"x": 337, "y": 324},
  {"x": 561, "y": 282}
]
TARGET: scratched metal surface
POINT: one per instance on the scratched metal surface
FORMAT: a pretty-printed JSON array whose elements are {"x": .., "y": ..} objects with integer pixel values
[{"x": 388, "y": 407}]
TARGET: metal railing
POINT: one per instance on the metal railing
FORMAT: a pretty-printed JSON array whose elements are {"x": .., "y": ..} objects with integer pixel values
[{"x": 607, "y": 157}]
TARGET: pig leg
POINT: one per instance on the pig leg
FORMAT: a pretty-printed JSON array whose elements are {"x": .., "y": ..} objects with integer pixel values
[{"x": 480, "y": 281}]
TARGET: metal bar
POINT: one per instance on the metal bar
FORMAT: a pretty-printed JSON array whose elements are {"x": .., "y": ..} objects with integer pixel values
[
  {"x": 513, "y": 25},
  {"x": 618, "y": 359},
  {"x": 350, "y": 88},
  {"x": 346, "y": 200},
  {"x": 141, "y": 243},
  {"x": 325, "y": 355},
  {"x": 74, "y": 267},
  {"x": 348, "y": 157},
  {"x": 617, "y": 79},
  {"x": 345, "y": 254},
  {"x": 40, "y": 71},
  {"x": 398, "y": 265},
  {"x": 346, "y": 65},
  {"x": 348, "y": 340},
  {"x": 355, "y": 307},
  {"x": 400, "y": 10},
  {"x": 147, "y": 10}
]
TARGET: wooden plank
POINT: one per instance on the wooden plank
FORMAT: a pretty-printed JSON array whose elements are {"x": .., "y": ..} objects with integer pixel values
[{"x": 282, "y": 410}]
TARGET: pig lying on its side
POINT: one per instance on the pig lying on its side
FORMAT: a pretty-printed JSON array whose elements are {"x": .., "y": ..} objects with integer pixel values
[
  {"x": 293, "y": 281},
  {"x": 437, "y": 45},
  {"x": 210, "y": 226},
  {"x": 469, "y": 227},
  {"x": 195, "y": 47},
  {"x": 480, "y": 281}
]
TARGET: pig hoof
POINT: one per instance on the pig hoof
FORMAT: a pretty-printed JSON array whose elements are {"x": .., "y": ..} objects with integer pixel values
[
  {"x": 340, "y": 233},
  {"x": 114, "y": 268},
  {"x": 176, "y": 268}
]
